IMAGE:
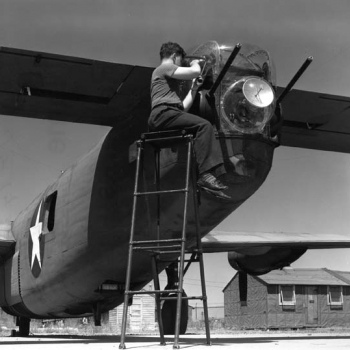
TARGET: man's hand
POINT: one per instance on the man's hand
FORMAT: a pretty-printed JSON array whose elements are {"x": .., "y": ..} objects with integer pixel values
[
  {"x": 197, "y": 83},
  {"x": 194, "y": 62}
]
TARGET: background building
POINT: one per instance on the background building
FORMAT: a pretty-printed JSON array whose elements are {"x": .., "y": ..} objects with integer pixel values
[
  {"x": 290, "y": 298},
  {"x": 141, "y": 315}
]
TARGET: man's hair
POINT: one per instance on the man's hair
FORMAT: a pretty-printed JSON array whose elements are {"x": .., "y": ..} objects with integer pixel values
[{"x": 169, "y": 48}]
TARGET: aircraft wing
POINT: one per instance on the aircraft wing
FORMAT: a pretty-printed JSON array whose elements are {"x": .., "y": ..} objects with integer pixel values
[
  {"x": 57, "y": 87},
  {"x": 316, "y": 121},
  {"x": 221, "y": 241}
]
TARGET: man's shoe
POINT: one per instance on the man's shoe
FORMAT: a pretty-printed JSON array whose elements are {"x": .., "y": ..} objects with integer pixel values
[
  {"x": 209, "y": 181},
  {"x": 217, "y": 194}
]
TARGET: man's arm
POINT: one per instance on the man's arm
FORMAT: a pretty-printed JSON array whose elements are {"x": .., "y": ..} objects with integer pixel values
[
  {"x": 188, "y": 100},
  {"x": 188, "y": 73}
]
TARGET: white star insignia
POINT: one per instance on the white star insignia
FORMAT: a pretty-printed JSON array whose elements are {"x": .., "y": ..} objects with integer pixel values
[{"x": 36, "y": 232}]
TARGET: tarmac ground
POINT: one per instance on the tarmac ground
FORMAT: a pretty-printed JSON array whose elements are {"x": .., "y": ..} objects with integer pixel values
[{"x": 287, "y": 341}]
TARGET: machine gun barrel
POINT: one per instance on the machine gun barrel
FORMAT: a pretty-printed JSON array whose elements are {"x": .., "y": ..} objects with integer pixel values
[
  {"x": 227, "y": 65},
  {"x": 294, "y": 79}
]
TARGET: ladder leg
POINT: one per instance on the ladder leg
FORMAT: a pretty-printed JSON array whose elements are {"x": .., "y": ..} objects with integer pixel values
[
  {"x": 183, "y": 247},
  {"x": 157, "y": 168},
  {"x": 179, "y": 304},
  {"x": 154, "y": 257},
  {"x": 205, "y": 299},
  {"x": 129, "y": 263},
  {"x": 200, "y": 256},
  {"x": 157, "y": 298}
]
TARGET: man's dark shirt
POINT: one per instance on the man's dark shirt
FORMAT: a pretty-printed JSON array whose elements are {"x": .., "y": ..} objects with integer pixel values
[{"x": 163, "y": 87}]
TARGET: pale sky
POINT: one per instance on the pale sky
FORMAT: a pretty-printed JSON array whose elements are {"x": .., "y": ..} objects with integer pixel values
[{"x": 306, "y": 191}]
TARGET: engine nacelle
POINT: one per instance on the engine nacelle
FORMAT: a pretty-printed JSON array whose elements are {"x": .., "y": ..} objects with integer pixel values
[{"x": 260, "y": 262}]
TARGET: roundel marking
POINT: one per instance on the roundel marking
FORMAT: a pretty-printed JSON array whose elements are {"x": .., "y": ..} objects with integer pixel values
[{"x": 35, "y": 242}]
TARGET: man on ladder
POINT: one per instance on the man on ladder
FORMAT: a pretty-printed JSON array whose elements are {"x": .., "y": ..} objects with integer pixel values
[{"x": 170, "y": 113}]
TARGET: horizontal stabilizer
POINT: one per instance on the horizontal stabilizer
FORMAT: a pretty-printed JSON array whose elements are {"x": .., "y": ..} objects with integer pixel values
[{"x": 223, "y": 241}]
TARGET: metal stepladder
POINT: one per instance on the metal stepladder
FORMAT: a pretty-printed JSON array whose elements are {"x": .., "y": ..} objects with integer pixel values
[{"x": 160, "y": 140}]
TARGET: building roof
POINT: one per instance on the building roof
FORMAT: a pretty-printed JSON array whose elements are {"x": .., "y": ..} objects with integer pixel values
[
  {"x": 309, "y": 277},
  {"x": 343, "y": 274}
]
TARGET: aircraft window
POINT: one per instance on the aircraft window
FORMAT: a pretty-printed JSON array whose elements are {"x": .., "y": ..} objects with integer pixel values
[
  {"x": 249, "y": 63},
  {"x": 287, "y": 295},
  {"x": 49, "y": 215},
  {"x": 248, "y": 104},
  {"x": 239, "y": 71},
  {"x": 335, "y": 295}
]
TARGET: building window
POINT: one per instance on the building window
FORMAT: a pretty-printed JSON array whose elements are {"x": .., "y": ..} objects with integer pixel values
[
  {"x": 287, "y": 295},
  {"x": 335, "y": 295}
]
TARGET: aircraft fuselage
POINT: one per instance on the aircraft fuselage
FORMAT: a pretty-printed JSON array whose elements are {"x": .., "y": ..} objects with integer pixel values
[{"x": 85, "y": 241}]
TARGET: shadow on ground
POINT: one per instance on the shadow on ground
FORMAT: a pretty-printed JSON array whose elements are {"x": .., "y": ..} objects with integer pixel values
[{"x": 186, "y": 340}]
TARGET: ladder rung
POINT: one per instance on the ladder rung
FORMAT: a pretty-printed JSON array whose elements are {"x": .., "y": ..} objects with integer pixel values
[
  {"x": 158, "y": 252},
  {"x": 157, "y": 247},
  {"x": 174, "y": 240},
  {"x": 164, "y": 141},
  {"x": 171, "y": 138},
  {"x": 153, "y": 291},
  {"x": 183, "y": 298},
  {"x": 167, "y": 251},
  {"x": 171, "y": 261},
  {"x": 160, "y": 192}
]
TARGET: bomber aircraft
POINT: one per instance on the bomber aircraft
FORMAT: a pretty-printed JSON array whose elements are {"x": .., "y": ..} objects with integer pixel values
[{"x": 65, "y": 255}]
